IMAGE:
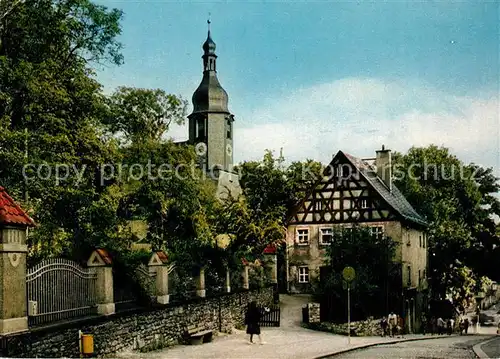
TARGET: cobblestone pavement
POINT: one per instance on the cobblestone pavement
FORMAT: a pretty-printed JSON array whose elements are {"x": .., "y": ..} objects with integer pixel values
[{"x": 454, "y": 347}]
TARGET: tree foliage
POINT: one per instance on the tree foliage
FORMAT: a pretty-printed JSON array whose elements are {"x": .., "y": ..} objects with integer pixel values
[
  {"x": 378, "y": 278},
  {"x": 460, "y": 202}
]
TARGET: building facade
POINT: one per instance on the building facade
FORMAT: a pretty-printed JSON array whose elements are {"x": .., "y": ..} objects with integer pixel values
[{"x": 357, "y": 192}]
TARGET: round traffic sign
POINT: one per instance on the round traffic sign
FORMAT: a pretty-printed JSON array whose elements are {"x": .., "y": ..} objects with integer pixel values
[{"x": 349, "y": 274}]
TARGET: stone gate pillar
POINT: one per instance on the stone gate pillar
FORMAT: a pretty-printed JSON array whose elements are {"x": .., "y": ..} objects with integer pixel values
[
  {"x": 271, "y": 263},
  {"x": 245, "y": 276},
  {"x": 13, "y": 249},
  {"x": 159, "y": 264},
  {"x": 101, "y": 261},
  {"x": 200, "y": 283}
]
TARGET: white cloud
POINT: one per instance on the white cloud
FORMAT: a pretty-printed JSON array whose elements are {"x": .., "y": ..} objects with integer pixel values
[{"x": 359, "y": 115}]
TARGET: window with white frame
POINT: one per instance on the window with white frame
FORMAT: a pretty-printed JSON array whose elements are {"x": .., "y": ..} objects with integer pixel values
[
  {"x": 303, "y": 274},
  {"x": 318, "y": 205},
  {"x": 365, "y": 203},
  {"x": 377, "y": 232},
  {"x": 325, "y": 236},
  {"x": 303, "y": 236}
]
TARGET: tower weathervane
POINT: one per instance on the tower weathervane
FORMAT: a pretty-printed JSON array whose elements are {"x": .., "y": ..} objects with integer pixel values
[{"x": 208, "y": 21}]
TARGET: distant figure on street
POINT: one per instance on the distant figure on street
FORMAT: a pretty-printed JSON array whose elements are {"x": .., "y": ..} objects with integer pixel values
[
  {"x": 423, "y": 323},
  {"x": 252, "y": 318},
  {"x": 433, "y": 325},
  {"x": 401, "y": 326},
  {"x": 393, "y": 323},
  {"x": 440, "y": 326},
  {"x": 466, "y": 325},
  {"x": 449, "y": 326},
  {"x": 383, "y": 326}
]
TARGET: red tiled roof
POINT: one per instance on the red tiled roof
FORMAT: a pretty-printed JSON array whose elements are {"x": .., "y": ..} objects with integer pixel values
[
  {"x": 162, "y": 256},
  {"x": 11, "y": 213},
  {"x": 104, "y": 255},
  {"x": 270, "y": 249}
]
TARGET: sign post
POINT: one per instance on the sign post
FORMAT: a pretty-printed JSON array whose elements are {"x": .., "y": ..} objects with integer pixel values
[{"x": 349, "y": 274}]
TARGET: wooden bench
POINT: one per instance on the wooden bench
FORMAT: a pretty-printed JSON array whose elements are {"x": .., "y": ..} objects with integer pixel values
[{"x": 198, "y": 335}]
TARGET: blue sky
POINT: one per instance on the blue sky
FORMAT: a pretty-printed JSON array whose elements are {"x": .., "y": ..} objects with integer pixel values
[{"x": 316, "y": 77}]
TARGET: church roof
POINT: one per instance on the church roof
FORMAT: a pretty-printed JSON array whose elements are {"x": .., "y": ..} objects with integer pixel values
[
  {"x": 394, "y": 197},
  {"x": 11, "y": 213},
  {"x": 210, "y": 96}
]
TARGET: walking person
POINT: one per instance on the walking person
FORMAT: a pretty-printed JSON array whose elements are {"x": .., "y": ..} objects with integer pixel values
[
  {"x": 383, "y": 326},
  {"x": 466, "y": 325},
  {"x": 440, "y": 325},
  {"x": 252, "y": 318},
  {"x": 393, "y": 323},
  {"x": 423, "y": 323},
  {"x": 449, "y": 326}
]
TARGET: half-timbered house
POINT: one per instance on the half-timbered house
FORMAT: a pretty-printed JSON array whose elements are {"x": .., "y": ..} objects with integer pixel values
[{"x": 357, "y": 191}]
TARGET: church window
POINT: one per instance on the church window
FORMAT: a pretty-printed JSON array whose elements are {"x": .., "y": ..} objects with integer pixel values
[
  {"x": 228, "y": 127},
  {"x": 200, "y": 128}
]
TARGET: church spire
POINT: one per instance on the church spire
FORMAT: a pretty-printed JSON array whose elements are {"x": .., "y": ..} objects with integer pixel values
[
  {"x": 210, "y": 96},
  {"x": 209, "y": 56}
]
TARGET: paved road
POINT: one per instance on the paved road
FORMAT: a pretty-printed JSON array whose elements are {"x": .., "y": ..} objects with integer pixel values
[
  {"x": 458, "y": 347},
  {"x": 492, "y": 348}
]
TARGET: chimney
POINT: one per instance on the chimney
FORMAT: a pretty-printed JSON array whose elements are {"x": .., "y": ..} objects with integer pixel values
[{"x": 384, "y": 166}]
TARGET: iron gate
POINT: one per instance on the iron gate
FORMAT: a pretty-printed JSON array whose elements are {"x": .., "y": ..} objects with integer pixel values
[{"x": 270, "y": 316}]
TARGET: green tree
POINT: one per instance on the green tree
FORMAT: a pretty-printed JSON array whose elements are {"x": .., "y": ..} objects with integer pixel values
[
  {"x": 458, "y": 201},
  {"x": 272, "y": 188},
  {"x": 50, "y": 111},
  {"x": 142, "y": 114},
  {"x": 378, "y": 278}
]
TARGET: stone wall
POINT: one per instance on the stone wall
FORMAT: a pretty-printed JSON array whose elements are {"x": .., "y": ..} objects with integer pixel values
[
  {"x": 156, "y": 328},
  {"x": 313, "y": 312},
  {"x": 369, "y": 327}
]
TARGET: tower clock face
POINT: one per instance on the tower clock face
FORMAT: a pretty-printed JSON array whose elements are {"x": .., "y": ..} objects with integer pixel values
[{"x": 229, "y": 149}]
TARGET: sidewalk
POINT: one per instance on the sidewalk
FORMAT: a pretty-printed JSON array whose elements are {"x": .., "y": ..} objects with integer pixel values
[{"x": 291, "y": 344}]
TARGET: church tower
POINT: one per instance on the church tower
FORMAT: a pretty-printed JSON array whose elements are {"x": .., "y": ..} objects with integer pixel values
[{"x": 211, "y": 123}]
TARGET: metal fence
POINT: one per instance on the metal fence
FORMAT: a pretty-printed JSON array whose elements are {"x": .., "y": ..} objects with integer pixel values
[{"x": 60, "y": 289}]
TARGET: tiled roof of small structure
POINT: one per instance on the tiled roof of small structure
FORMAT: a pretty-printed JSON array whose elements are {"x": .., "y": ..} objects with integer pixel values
[
  {"x": 162, "y": 256},
  {"x": 394, "y": 198},
  {"x": 11, "y": 213},
  {"x": 104, "y": 255},
  {"x": 270, "y": 249}
]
